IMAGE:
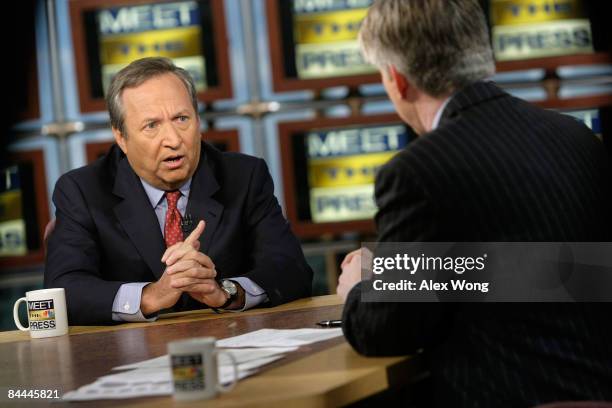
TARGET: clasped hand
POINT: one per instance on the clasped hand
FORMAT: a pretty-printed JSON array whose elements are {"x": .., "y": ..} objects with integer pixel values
[
  {"x": 187, "y": 271},
  {"x": 351, "y": 270}
]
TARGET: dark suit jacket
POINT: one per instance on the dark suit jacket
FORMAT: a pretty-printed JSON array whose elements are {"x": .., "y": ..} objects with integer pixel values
[
  {"x": 496, "y": 169},
  {"x": 107, "y": 233}
]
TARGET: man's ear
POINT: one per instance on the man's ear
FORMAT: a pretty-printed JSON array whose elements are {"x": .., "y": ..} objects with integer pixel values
[
  {"x": 120, "y": 140},
  {"x": 400, "y": 81}
]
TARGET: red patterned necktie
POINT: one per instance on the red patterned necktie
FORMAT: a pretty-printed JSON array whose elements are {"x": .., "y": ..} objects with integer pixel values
[{"x": 172, "y": 227}]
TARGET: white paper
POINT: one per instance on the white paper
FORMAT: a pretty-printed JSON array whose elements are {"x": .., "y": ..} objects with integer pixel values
[
  {"x": 154, "y": 381},
  {"x": 153, "y": 377},
  {"x": 280, "y": 338},
  {"x": 241, "y": 355},
  {"x": 157, "y": 362},
  {"x": 97, "y": 391}
]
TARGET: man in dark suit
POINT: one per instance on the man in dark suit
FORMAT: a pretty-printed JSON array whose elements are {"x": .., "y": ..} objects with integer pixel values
[
  {"x": 163, "y": 220},
  {"x": 486, "y": 167}
]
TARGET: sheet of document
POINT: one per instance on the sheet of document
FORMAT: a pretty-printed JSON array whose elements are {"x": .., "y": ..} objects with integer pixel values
[
  {"x": 153, "y": 381},
  {"x": 153, "y": 378},
  {"x": 280, "y": 338},
  {"x": 96, "y": 391},
  {"x": 241, "y": 355}
]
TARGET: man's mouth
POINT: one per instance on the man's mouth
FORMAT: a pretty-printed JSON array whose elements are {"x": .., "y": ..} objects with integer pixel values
[
  {"x": 173, "y": 158},
  {"x": 174, "y": 162}
]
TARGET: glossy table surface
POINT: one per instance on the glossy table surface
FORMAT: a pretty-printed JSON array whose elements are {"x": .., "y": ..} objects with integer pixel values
[{"x": 324, "y": 374}]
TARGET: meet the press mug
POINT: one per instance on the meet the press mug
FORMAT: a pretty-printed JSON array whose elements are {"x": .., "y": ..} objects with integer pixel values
[
  {"x": 194, "y": 364},
  {"x": 47, "y": 314}
]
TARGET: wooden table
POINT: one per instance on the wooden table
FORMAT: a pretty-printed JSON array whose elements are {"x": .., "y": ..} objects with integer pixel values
[{"x": 325, "y": 374}]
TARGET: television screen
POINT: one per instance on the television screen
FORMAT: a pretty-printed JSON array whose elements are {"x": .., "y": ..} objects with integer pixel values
[
  {"x": 18, "y": 221},
  {"x": 332, "y": 166},
  {"x": 599, "y": 120},
  {"x": 313, "y": 44},
  {"x": 325, "y": 38},
  {"x": 170, "y": 30},
  {"x": 108, "y": 35},
  {"x": 605, "y": 122},
  {"x": 539, "y": 28},
  {"x": 590, "y": 117}
]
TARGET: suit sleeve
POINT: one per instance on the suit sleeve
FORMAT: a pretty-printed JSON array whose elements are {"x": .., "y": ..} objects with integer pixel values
[
  {"x": 278, "y": 263},
  {"x": 386, "y": 329},
  {"x": 73, "y": 259}
]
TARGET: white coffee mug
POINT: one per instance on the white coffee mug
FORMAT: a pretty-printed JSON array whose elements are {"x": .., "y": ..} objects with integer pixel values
[
  {"x": 194, "y": 365},
  {"x": 47, "y": 314}
]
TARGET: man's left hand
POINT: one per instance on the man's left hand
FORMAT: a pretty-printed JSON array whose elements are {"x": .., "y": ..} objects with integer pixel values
[
  {"x": 212, "y": 295},
  {"x": 217, "y": 297},
  {"x": 352, "y": 269},
  {"x": 351, "y": 274}
]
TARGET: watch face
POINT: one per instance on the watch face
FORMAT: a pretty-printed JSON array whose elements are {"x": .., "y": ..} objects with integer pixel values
[{"x": 229, "y": 287}]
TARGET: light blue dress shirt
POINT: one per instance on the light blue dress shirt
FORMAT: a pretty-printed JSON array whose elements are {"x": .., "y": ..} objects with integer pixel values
[{"x": 126, "y": 306}]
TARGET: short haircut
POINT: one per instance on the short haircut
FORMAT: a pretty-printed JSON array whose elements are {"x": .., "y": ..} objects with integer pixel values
[
  {"x": 439, "y": 45},
  {"x": 134, "y": 75}
]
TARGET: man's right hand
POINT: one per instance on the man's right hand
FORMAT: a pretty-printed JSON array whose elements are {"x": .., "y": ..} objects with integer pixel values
[
  {"x": 163, "y": 293},
  {"x": 352, "y": 266}
]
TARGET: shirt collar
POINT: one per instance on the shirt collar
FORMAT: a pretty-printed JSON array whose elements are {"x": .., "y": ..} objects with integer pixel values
[
  {"x": 438, "y": 116},
  {"x": 155, "y": 195}
]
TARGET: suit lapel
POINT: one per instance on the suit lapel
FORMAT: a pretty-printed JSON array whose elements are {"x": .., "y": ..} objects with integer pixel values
[
  {"x": 469, "y": 96},
  {"x": 201, "y": 205},
  {"x": 138, "y": 218}
]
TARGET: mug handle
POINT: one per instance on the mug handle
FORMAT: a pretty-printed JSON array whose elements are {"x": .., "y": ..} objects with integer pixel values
[
  {"x": 16, "y": 314},
  {"x": 228, "y": 388}
]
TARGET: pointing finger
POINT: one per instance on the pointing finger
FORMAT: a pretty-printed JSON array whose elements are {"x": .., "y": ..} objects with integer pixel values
[
  {"x": 191, "y": 240},
  {"x": 195, "y": 234}
]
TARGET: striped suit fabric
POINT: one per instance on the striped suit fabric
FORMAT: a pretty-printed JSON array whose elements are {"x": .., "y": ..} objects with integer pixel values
[{"x": 496, "y": 169}]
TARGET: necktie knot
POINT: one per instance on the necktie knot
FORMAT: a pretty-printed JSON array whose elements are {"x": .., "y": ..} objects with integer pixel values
[{"x": 172, "y": 197}]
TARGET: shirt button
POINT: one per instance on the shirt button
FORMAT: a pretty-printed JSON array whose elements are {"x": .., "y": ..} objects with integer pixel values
[{"x": 126, "y": 307}]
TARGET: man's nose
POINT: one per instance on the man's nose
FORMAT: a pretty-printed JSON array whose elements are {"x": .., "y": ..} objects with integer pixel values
[{"x": 172, "y": 138}]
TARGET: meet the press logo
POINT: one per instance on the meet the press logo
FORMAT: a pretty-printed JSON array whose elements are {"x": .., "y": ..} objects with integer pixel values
[
  {"x": 188, "y": 372},
  {"x": 41, "y": 314}
]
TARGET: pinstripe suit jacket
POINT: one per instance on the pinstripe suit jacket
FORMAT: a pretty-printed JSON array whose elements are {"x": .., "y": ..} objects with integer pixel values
[{"x": 496, "y": 169}]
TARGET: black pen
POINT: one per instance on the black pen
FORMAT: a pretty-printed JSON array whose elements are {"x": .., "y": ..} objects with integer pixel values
[{"x": 330, "y": 323}]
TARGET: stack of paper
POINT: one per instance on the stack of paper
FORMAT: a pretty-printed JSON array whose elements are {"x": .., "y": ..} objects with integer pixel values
[
  {"x": 153, "y": 377},
  {"x": 280, "y": 338}
]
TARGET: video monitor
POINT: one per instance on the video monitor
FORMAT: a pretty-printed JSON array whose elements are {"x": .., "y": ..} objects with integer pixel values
[
  {"x": 313, "y": 44},
  {"x": 13, "y": 235},
  {"x": 224, "y": 140},
  {"x": 329, "y": 167},
  {"x": 523, "y": 29},
  {"x": 599, "y": 120},
  {"x": 24, "y": 210},
  {"x": 109, "y": 34},
  {"x": 605, "y": 122},
  {"x": 590, "y": 117}
]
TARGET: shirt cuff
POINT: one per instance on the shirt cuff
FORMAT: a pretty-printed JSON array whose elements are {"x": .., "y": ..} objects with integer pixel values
[
  {"x": 253, "y": 294},
  {"x": 126, "y": 306}
]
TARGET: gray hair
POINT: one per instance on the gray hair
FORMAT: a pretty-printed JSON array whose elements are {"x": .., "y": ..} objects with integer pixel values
[
  {"x": 134, "y": 75},
  {"x": 440, "y": 45}
]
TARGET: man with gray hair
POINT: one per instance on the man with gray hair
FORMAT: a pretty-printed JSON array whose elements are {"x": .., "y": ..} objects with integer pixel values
[
  {"x": 165, "y": 221},
  {"x": 487, "y": 167}
]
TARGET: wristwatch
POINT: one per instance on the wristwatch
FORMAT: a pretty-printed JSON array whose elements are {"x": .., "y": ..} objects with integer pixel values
[{"x": 231, "y": 289}]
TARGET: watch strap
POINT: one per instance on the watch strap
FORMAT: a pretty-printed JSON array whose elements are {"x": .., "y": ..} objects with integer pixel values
[{"x": 228, "y": 302}]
